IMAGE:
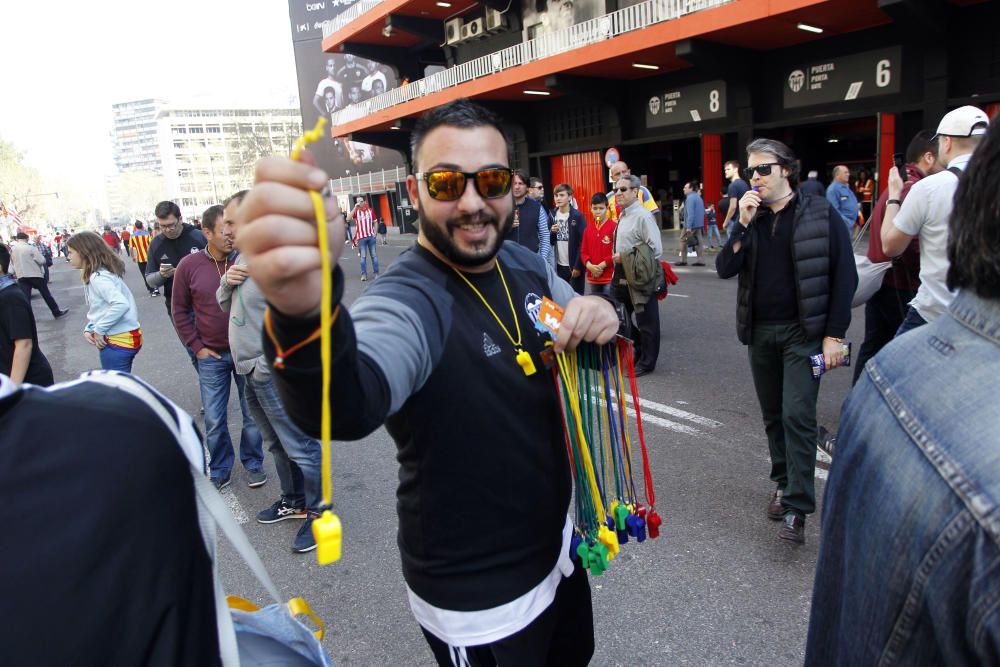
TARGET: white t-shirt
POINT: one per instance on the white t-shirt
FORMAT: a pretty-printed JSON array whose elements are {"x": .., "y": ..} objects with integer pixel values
[
  {"x": 925, "y": 214},
  {"x": 562, "y": 239},
  {"x": 475, "y": 628}
]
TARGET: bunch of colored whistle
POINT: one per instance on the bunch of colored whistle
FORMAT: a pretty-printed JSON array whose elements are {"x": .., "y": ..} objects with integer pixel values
[{"x": 592, "y": 392}]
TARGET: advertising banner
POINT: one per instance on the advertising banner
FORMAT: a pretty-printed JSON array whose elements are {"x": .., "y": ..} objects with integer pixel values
[{"x": 328, "y": 82}]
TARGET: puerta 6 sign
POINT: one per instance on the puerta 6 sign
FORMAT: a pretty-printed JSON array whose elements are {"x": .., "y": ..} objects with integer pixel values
[
  {"x": 844, "y": 79},
  {"x": 687, "y": 104}
]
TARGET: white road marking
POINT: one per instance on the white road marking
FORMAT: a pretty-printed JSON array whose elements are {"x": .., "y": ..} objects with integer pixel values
[
  {"x": 235, "y": 507},
  {"x": 671, "y": 425},
  {"x": 674, "y": 412},
  {"x": 670, "y": 294},
  {"x": 665, "y": 423}
]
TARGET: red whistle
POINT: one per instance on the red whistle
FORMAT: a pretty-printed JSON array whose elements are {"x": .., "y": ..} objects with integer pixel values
[{"x": 653, "y": 523}]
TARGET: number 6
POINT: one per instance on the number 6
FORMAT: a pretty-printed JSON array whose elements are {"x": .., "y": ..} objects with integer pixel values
[{"x": 882, "y": 73}]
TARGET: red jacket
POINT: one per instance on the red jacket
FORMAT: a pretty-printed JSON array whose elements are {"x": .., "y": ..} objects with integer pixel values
[
  {"x": 904, "y": 274},
  {"x": 597, "y": 246}
]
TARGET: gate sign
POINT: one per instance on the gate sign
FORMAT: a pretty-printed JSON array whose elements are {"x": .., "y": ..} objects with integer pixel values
[
  {"x": 688, "y": 104},
  {"x": 852, "y": 77}
]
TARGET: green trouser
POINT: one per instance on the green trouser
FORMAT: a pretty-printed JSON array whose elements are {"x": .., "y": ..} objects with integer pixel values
[{"x": 787, "y": 392}]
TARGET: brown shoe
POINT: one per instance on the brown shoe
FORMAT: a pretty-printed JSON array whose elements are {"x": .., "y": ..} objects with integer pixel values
[
  {"x": 774, "y": 508},
  {"x": 793, "y": 529}
]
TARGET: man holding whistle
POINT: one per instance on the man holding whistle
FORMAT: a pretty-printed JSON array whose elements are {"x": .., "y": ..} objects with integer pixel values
[{"x": 796, "y": 271}]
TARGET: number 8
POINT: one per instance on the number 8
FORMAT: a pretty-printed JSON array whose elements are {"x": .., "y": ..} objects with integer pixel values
[{"x": 713, "y": 100}]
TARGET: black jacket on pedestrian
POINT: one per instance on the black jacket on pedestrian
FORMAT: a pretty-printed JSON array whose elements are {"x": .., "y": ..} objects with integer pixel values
[
  {"x": 821, "y": 275},
  {"x": 526, "y": 232}
]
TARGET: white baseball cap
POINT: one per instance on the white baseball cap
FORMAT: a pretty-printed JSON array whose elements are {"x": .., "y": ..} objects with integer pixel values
[{"x": 962, "y": 122}]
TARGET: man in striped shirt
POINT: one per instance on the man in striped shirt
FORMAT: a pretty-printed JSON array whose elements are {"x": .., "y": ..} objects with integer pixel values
[
  {"x": 139, "y": 250},
  {"x": 364, "y": 235}
]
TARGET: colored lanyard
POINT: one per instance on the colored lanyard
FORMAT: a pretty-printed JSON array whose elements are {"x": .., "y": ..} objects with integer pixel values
[
  {"x": 521, "y": 355},
  {"x": 592, "y": 383}
]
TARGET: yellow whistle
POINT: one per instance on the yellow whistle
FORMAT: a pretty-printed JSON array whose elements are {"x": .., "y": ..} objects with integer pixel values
[
  {"x": 607, "y": 537},
  {"x": 525, "y": 362},
  {"x": 327, "y": 533}
]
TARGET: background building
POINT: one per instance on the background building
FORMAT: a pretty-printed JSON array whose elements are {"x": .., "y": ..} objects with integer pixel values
[
  {"x": 134, "y": 136},
  {"x": 209, "y": 154},
  {"x": 677, "y": 87},
  {"x": 194, "y": 156}
]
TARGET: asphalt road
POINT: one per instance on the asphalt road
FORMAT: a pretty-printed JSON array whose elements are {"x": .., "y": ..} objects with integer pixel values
[{"x": 716, "y": 588}]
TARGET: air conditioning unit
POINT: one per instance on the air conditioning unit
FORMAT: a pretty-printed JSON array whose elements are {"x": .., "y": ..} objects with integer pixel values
[
  {"x": 453, "y": 31},
  {"x": 494, "y": 20},
  {"x": 473, "y": 30}
]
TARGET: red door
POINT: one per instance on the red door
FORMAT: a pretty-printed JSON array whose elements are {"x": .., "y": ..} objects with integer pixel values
[{"x": 584, "y": 172}]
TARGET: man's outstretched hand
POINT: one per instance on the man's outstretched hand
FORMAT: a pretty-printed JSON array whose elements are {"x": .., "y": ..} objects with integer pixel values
[
  {"x": 587, "y": 318},
  {"x": 276, "y": 232}
]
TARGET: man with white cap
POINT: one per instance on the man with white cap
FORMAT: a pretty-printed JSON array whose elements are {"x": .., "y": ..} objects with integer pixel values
[{"x": 926, "y": 211}]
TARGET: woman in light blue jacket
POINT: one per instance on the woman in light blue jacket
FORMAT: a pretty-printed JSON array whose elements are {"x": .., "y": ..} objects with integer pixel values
[{"x": 113, "y": 319}]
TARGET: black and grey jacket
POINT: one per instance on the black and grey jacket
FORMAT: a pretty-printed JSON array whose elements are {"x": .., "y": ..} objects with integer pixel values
[
  {"x": 825, "y": 276},
  {"x": 484, "y": 483}
]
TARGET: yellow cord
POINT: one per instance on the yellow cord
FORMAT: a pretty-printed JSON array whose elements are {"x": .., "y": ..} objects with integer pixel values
[
  {"x": 567, "y": 368},
  {"x": 515, "y": 343},
  {"x": 326, "y": 529}
]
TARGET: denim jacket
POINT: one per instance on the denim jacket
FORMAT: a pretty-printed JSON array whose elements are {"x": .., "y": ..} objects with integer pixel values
[
  {"x": 909, "y": 568},
  {"x": 112, "y": 306}
]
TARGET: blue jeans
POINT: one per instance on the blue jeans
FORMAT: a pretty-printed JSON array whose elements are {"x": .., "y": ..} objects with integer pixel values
[
  {"x": 117, "y": 358},
  {"x": 912, "y": 321},
  {"x": 366, "y": 246},
  {"x": 214, "y": 380},
  {"x": 296, "y": 455},
  {"x": 713, "y": 230}
]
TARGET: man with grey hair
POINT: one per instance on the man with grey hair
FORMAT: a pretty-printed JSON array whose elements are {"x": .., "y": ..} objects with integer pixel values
[
  {"x": 637, "y": 242},
  {"x": 928, "y": 207},
  {"x": 796, "y": 281},
  {"x": 841, "y": 197},
  {"x": 812, "y": 186}
]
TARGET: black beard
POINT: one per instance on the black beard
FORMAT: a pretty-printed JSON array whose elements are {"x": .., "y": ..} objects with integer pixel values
[{"x": 441, "y": 239}]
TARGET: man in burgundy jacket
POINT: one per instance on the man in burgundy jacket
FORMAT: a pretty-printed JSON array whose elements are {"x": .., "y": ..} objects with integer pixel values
[
  {"x": 205, "y": 329},
  {"x": 885, "y": 311}
]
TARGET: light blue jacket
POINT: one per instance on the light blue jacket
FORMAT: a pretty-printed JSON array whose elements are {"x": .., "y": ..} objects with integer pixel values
[
  {"x": 907, "y": 570},
  {"x": 694, "y": 211},
  {"x": 843, "y": 200},
  {"x": 112, "y": 306}
]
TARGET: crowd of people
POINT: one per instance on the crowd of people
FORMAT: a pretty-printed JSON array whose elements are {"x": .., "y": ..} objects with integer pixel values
[{"x": 910, "y": 543}]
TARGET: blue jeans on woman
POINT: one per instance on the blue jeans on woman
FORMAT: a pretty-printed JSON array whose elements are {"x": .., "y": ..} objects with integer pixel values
[
  {"x": 366, "y": 246},
  {"x": 214, "y": 380},
  {"x": 117, "y": 358},
  {"x": 296, "y": 455}
]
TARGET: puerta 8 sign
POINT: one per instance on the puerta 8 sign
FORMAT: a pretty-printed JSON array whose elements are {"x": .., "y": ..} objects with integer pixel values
[
  {"x": 853, "y": 77},
  {"x": 687, "y": 104}
]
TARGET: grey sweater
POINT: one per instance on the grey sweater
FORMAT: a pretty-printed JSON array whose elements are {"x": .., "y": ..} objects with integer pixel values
[{"x": 245, "y": 304}]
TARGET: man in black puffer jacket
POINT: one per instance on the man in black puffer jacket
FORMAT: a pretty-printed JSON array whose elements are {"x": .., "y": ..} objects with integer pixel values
[{"x": 796, "y": 280}]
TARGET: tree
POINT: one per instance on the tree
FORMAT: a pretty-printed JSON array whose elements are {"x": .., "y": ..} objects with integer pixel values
[{"x": 19, "y": 183}]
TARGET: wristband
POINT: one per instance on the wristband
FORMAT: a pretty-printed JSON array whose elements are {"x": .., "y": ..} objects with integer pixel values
[{"x": 894, "y": 201}]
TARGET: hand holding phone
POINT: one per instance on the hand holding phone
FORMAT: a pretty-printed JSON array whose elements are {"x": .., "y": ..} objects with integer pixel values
[{"x": 899, "y": 161}]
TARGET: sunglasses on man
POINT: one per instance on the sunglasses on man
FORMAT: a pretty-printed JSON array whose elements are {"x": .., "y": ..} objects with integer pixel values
[
  {"x": 449, "y": 185},
  {"x": 762, "y": 169}
]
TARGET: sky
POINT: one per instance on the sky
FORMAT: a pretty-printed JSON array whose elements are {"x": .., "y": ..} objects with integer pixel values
[{"x": 63, "y": 63}]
